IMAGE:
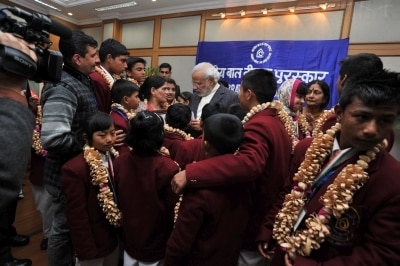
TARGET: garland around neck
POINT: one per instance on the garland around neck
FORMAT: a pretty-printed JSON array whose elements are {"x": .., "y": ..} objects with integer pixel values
[
  {"x": 282, "y": 114},
  {"x": 105, "y": 76},
  {"x": 335, "y": 201},
  {"x": 134, "y": 81},
  {"x": 100, "y": 177},
  {"x": 178, "y": 131},
  {"x": 129, "y": 114},
  {"x": 36, "y": 142},
  {"x": 322, "y": 119}
]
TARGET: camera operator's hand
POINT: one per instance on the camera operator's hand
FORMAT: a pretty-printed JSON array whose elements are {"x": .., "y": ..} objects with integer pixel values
[{"x": 9, "y": 39}]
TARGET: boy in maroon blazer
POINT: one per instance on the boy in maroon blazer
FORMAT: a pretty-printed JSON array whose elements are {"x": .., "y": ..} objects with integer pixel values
[
  {"x": 211, "y": 223},
  {"x": 142, "y": 182},
  {"x": 113, "y": 56},
  {"x": 263, "y": 157},
  {"x": 354, "y": 198},
  {"x": 93, "y": 237},
  {"x": 177, "y": 124},
  {"x": 125, "y": 96},
  {"x": 191, "y": 150}
]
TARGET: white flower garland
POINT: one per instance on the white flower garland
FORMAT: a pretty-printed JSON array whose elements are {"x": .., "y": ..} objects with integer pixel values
[
  {"x": 335, "y": 201},
  {"x": 100, "y": 177}
]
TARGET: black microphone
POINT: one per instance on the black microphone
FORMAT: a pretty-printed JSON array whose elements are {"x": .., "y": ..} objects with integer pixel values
[{"x": 42, "y": 22}]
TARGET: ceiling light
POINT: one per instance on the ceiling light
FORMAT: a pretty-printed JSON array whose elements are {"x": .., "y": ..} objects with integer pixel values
[
  {"x": 104, "y": 8},
  {"x": 50, "y": 6},
  {"x": 154, "y": 0},
  {"x": 223, "y": 15},
  {"x": 242, "y": 12},
  {"x": 264, "y": 11},
  {"x": 70, "y": 14},
  {"x": 291, "y": 9},
  {"x": 323, "y": 6}
]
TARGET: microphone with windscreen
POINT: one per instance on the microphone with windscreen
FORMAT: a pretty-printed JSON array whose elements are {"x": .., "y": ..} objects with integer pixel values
[{"x": 37, "y": 20}]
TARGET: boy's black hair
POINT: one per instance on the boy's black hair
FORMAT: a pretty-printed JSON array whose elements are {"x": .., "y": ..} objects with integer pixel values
[
  {"x": 360, "y": 65},
  {"x": 112, "y": 47},
  {"x": 237, "y": 110},
  {"x": 211, "y": 109},
  {"x": 187, "y": 95},
  {"x": 131, "y": 61},
  {"x": 178, "y": 116},
  {"x": 146, "y": 133},
  {"x": 96, "y": 122},
  {"x": 224, "y": 132},
  {"x": 165, "y": 65},
  {"x": 379, "y": 89},
  {"x": 263, "y": 84},
  {"x": 122, "y": 88}
]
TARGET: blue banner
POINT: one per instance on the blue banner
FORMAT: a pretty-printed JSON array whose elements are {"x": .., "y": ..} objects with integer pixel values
[{"x": 306, "y": 60}]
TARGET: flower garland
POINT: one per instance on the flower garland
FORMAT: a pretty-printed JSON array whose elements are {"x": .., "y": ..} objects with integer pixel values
[
  {"x": 304, "y": 125},
  {"x": 105, "y": 76},
  {"x": 321, "y": 120},
  {"x": 134, "y": 81},
  {"x": 335, "y": 201},
  {"x": 176, "y": 208},
  {"x": 100, "y": 177},
  {"x": 282, "y": 114},
  {"x": 178, "y": 131},
  {"x": 36, "y": 143},
  {"x": 130, "y": 115}
]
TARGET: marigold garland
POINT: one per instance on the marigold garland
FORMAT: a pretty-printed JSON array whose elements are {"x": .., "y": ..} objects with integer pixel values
[
  {"x": 335, "y": 201},
  {"x": 105, "y": 76},
  {"x": 130, "y": 115},
  {"x": 178, "y": 131},
  {"x": 282, "y": 114},
  {"x": 100, "y": 177},
  {"x": 134, "y": 81},
  {"x": 177, "y": 206},
  {"x": 321, "y": 120},
  {"x": 36, "y": 142},
  {"x": 304, "y": 125}
]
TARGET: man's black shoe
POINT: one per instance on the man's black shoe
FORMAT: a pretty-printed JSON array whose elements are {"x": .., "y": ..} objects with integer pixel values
[
  {"x": 18, "y": 262},
  {"x": 43, "y": 244},
  {"x": 19, "y": 240}
]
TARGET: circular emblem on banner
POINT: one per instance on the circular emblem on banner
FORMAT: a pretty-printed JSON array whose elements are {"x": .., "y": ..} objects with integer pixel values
[{"x": 261, "y": 53}]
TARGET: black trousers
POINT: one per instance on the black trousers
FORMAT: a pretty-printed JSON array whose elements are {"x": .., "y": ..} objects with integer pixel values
[{"x": 7, "y": 218}]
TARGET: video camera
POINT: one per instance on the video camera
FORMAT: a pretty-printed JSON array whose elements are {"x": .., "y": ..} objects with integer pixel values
[{"x": 35, "y": 30}]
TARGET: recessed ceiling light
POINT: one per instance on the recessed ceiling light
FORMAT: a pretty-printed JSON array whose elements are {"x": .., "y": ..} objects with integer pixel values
[
  {"x": 154, "y": 0},
  {"x": 70, "y": 14},
  {"x": 127, "y": 4},
  {"x": 50, "y": 6}
]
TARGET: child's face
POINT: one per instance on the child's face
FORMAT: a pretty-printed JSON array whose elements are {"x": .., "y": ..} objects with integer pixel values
[
  {"x": 365, "y": 126},
  {"x": 132, "y": 102},
  {"x": 298, "y": 103},
  {"x": 171, "y": 93},
  {"x": 104, "y": 140},
  {"x": 137, "y": 72}
]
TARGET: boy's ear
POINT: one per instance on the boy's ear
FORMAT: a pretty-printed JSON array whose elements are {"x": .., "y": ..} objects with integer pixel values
[
  {"x": 249, "y": 94},
  {"x": 339, "y": 112},
  {"x": 343, "y": 80},
  {"x": 84, "y": 136},
  {"x": 125, "y": 99}
]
